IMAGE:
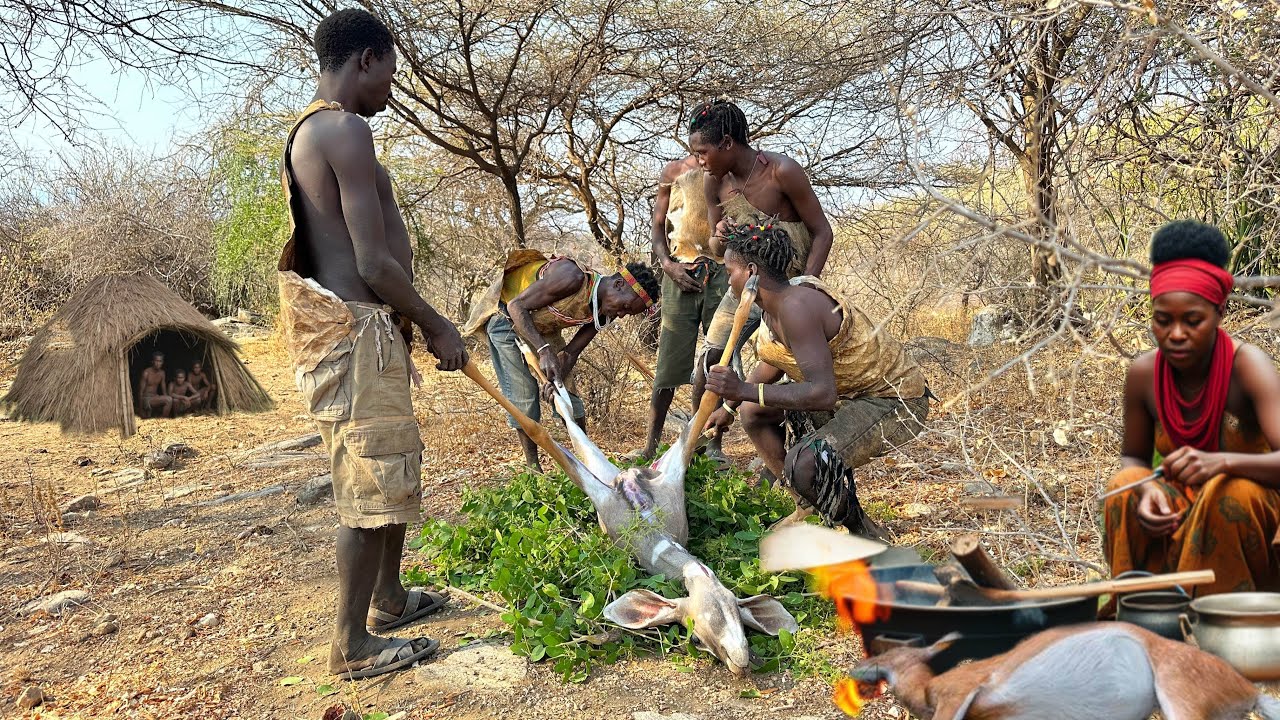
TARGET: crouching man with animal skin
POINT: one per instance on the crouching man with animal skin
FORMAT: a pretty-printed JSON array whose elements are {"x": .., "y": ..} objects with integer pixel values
[
  {"x": 532, "y": 302},
  {"x": 853, "y": 392}
]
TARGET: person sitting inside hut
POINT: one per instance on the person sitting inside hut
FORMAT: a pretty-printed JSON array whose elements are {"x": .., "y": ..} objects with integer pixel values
[
  {"x": 151, "y": 389},
  {"x": 532, "y": 301},
  {"x": 183, "y": 396},
  {"x": 203, "y": 385},
  {"x": 1210, "y": 406},
  {"x": 853, "y": 393}
]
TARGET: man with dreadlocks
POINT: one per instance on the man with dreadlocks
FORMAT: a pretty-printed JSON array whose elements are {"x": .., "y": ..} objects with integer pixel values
[
  {"x": 853, "y": 393},
  {"x": 744, "y": 186},
  {"x": 531, "y": 302}
]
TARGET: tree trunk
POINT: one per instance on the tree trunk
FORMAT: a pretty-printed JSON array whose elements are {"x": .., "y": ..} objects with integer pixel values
[{"x": 516, "y": 208}]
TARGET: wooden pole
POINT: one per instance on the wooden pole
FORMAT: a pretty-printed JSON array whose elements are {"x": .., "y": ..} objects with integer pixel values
[{"x": 710, "y": 399}]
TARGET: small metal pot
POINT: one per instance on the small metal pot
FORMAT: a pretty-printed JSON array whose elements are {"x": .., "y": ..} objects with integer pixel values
[
  {"x": 1241, "y": 628},
  {"x": 1158, "y": 611}
]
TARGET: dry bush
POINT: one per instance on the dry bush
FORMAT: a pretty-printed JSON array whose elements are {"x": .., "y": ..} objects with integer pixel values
[{"x": 104, "y": 212}]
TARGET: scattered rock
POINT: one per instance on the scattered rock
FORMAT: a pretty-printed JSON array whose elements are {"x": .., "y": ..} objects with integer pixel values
[
  {"x": 317, "y": 489},
  {"x": 181, "y": 492},
  {"x": 990, "y": 325},
  {"x": 109, "y": 627},
  {"x": 479, "y": 666},
  {"x": 69, "y": 539},
  {"x": 186, "y": 632},
  {"x": 158, "y": 461},
  {"x": 150, "y": 634},
  {"x": 650, "y": 715},
  {"x": 255, "y": 530},
  {"x": 265, "y": 492},
  {"x": 980, "y": 488},
  {"x": 58, "y": 603},
  {"x": 83, "y": 461},
  {"x": 952, "y": 467},
  {"x": 82, "y": 503},
  {"x": 915, "y": 510},
  {"x": 212, "y": 620},
  {"x": 31, "y": 697}
]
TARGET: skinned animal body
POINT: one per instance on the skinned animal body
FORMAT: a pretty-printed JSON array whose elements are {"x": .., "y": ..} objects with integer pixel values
[{"x": 1096, "y": 670}]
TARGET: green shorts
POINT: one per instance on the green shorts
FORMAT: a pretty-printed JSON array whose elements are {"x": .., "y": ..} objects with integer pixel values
[{"x": 683, "y": 314}]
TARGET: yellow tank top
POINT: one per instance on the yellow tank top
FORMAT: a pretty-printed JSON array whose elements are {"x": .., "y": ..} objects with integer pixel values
[
  {"x": 866, "y": 361},
  {"x": 522, "y": 268}
]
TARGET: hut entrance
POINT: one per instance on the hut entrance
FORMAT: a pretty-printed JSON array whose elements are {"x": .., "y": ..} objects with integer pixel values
[{"x": 180, "y": 350}]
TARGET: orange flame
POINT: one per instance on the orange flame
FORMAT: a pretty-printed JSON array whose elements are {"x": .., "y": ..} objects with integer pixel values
[
  {"x": 847, "y": 697},
  {"x": 854, "y": 591},
  {"x": 857, "y": 597}
]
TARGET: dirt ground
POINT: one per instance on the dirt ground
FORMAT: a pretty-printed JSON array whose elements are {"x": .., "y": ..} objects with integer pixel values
[{"x": 202, "y": 608}]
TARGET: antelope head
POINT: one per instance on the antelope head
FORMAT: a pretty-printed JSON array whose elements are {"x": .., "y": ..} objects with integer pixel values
[
  {"x": 715, "y": 615},
  {"x": 906, "y": 669}
]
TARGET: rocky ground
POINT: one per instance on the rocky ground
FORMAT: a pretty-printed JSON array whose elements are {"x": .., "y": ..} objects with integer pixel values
[{"x": 199, "y": 582}]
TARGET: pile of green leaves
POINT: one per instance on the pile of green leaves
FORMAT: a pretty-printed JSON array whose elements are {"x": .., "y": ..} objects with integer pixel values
[{"x": 535, "y": 543}]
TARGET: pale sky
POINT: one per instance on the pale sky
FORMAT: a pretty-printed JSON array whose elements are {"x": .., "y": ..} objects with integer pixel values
[{"x": 135, "y": 112}]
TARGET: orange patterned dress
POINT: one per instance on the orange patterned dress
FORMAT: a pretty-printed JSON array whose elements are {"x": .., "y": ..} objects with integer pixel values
[{"x": 1230, "y": 525}]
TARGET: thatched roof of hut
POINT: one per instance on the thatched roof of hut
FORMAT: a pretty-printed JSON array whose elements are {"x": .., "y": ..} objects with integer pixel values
[{"x": 80, "y": 368}]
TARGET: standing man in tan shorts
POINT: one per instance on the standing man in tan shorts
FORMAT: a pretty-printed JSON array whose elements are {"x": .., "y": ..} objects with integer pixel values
[{"x": 348, "y": 307}]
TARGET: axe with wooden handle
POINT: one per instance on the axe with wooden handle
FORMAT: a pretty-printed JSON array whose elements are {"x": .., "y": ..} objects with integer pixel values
[{"x": 710, "y": 399}]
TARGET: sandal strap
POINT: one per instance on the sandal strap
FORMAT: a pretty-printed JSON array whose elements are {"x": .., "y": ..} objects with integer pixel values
[{"x": 392, "y": 652}]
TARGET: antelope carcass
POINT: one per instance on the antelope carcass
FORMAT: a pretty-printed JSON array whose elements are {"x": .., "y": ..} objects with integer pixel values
[
  {"x": 1097, "y": 670},
  {"x": 643, "y": 509}
]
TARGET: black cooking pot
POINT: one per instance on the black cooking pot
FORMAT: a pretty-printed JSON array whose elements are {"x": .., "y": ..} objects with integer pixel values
[{"x": 914, "y": 619}]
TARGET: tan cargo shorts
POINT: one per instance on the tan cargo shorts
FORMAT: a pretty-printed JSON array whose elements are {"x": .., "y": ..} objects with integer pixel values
[{"x": 359, "y": 397}]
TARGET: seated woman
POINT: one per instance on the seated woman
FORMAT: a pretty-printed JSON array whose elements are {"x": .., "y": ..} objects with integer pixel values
[
  {"x": 533, "y": 301},
  {"x": 1211, "y": 407},
  {"x": 853, "y": 392}
]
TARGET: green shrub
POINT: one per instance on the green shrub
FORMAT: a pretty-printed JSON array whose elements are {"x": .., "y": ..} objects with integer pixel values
[{"x": 535, "y": 543}]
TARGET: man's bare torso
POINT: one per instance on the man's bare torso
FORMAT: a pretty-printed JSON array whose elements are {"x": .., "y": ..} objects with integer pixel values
[
  {"x": 198, "y": 380},
  {"x": 152, "y": 381},
  {"x": 323, "y": 238},
  {"x": 762, "y": 189}
]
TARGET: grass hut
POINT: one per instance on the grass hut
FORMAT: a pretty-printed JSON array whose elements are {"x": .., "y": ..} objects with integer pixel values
[{"x": 82, "y": 368}]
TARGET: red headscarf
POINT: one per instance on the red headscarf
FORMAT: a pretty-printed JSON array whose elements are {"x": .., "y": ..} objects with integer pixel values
[{"x": 1213, "y": 284}]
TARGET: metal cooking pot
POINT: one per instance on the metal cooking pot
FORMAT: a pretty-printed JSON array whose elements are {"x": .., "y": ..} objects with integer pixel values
[
  {"x": 1241, "y": 628},
  {"x": 1159, "y": 611}
]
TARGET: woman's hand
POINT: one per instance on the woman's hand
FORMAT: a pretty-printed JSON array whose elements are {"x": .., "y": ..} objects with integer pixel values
[
  {"x": 720, "y": 420},
  {"x": 1154, "y": 511},
  {"x": 724, "y": 382},
  {"x": 1191, "y": 467}
]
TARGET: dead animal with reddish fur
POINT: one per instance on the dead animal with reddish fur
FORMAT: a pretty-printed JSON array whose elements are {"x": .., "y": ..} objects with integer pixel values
[{"x": 1097, "y": 670}]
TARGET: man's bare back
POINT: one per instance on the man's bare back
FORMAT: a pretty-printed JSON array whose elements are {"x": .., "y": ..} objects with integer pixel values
[{"x": 323, "y": 231}]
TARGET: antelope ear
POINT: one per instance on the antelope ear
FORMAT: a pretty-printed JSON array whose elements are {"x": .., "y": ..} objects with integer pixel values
[
  {"x": 763, "y": 613},
  {"x": 642, "y": 609},
  {"x": 943, "y": 643}
]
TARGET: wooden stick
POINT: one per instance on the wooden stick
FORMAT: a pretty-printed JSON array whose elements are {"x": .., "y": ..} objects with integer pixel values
[
  {"x": 710, "y": 399},
  {"x": 933, "y": 590},
  {"x": 968, "y": 551},
  {"x": 992, "y": 502},
  {"x": 536, "y": 432},
  {"x": 1155, "y": 582},
  {"x": 1129, "y": 486}
]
